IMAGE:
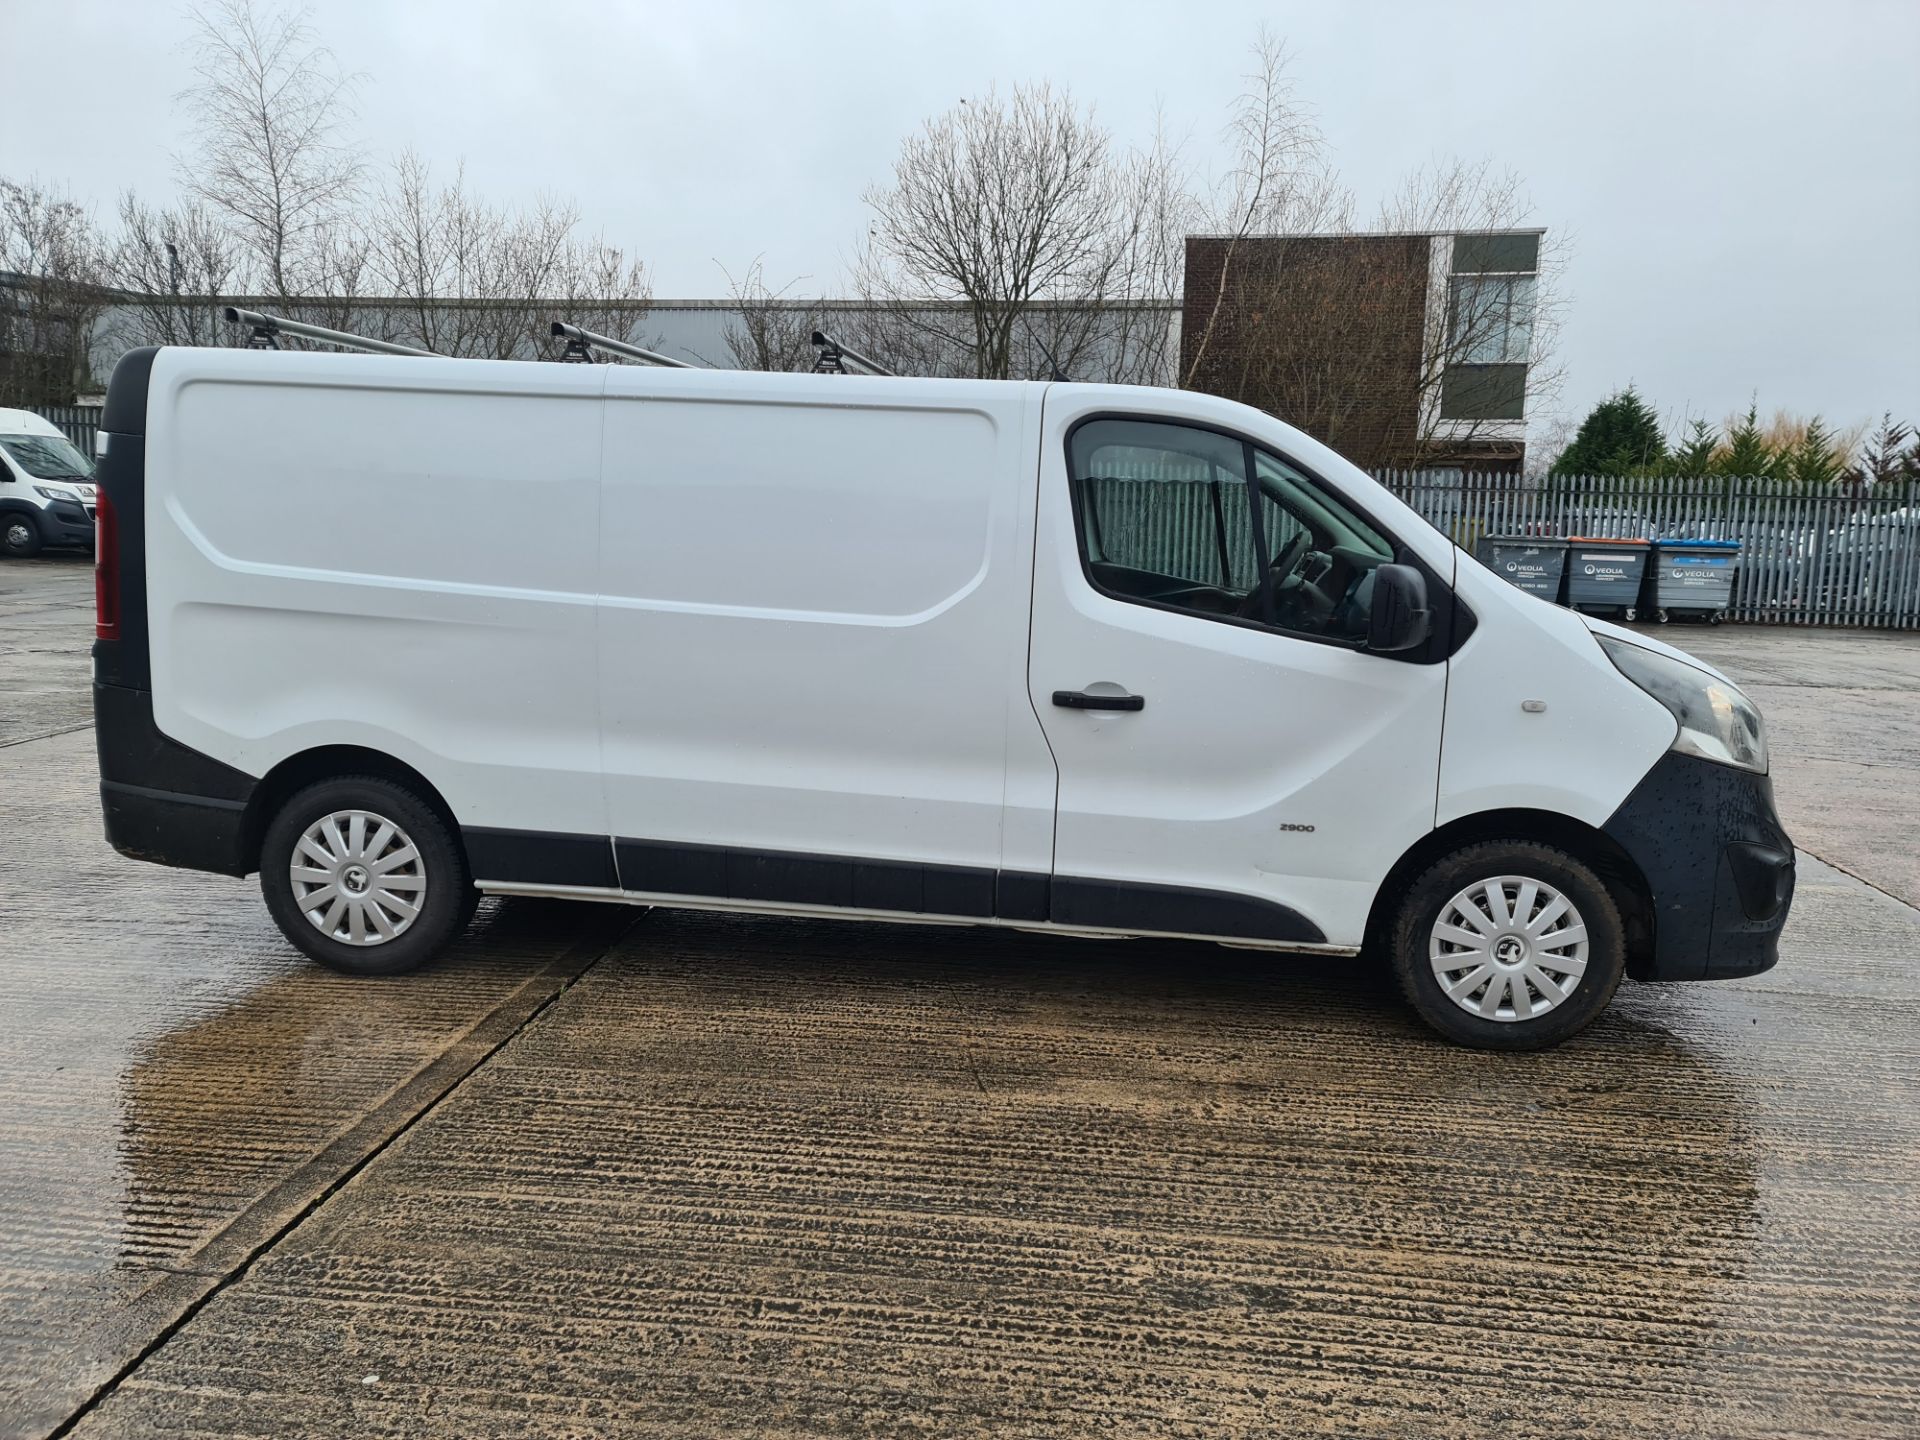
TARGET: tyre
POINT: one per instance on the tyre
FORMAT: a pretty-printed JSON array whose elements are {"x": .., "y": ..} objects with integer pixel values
[
  {"x": 1509, "y": 945},
  {"x": 1629, "y": 615},
  {"x": 364, "y": 876},
  {"x": 19, "y": 534},
  {"x": 1660, "y": 617}
]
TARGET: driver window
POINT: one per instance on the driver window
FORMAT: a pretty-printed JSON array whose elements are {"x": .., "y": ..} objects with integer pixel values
[
  {"x": 1162, "y": 513},
  {"x": 1327, "y": 591},
  {"x": 1167, "y": 518}
]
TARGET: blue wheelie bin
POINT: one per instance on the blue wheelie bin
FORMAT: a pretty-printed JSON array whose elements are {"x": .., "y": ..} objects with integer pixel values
[{"x": 1691, "y": 577}]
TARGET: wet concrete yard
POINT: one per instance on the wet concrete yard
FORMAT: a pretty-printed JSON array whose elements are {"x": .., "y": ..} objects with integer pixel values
[{"x": 675, "y": 1174}]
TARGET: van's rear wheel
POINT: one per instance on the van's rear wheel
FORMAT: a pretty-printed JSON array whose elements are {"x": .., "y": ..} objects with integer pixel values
[
  {"x": 1509, "y": 945},
  {"x": 364, "y": 876},
  {"x": 19, "y": 534}
]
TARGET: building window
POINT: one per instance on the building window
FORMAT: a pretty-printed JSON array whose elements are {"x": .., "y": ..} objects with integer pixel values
[
  {"x": 1484, "y": 392},
  {"x": 1502, "y": 253},
  {"x": 1490, "y": 319},
  {"x": 1492, "y": 298}
]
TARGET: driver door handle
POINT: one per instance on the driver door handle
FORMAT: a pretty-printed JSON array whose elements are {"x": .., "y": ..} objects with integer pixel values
[{"x": 1081, "y": 700}]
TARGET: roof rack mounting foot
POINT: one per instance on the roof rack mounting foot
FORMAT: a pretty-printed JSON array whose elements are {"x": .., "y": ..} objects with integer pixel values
[
  {"x": 835, "y": 357},
  {"x": 582, "y": 343}
]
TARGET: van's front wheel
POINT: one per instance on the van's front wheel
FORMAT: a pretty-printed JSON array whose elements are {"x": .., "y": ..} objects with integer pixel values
[
  {"x": 19, "y": 535},
  {"x": 364, "y": 876},
  {"x": 1509, "y": 945}
]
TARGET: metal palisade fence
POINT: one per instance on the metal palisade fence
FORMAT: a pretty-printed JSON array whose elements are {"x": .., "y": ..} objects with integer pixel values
[
  {"x": 78, "y": 422},
  {"x": 1832, "y": 556}
]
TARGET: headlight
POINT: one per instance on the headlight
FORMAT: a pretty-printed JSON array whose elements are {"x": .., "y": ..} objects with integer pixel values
[
  {"x": 1717, "y": 722},
  {"x": 49, "y": 493}
]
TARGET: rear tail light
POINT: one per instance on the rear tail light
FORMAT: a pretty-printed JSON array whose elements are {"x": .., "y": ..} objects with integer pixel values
[{"x": 106, "y": 570}]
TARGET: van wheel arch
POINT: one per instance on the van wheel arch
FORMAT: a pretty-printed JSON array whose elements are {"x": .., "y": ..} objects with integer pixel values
[
  {"x": 1594, "y": 848},
  {"x": 330, "y": 762}
]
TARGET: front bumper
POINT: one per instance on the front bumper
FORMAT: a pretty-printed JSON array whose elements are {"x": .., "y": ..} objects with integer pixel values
[
  {"x": 1718, "y": 863},
  {"x": 64, "y": 522}
]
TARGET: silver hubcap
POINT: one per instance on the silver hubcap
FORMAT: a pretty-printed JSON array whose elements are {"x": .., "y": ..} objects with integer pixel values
[
  {"x": 18, "y": 534},
  {"x": 1510, "y": 948},
  {"x": 358, "y": 878}
]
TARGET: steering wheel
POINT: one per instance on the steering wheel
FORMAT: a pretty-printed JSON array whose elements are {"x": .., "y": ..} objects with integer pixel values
[{"x": 1282, "y": 567}]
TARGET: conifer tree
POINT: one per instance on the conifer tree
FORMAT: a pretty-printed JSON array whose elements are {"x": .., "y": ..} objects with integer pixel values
[
  {"x": 1620, "y": 437},
  {"x": 1747, "y": 455},
  {"x": 1694, "y": 455}
]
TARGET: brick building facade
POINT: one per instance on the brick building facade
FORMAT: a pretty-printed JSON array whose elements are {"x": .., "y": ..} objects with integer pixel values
[{"x": 1397, "y": 350}]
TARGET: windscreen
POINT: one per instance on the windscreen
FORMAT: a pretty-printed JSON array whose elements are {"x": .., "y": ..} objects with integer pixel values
[{"x": 47, "y": 457}]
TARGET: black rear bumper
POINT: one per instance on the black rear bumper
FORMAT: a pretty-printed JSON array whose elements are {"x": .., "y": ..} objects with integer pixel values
[
  {"x": 191, "y": 832},
  {"x": 161, "y": 801},
  {"x": 1719, "y": 864}
]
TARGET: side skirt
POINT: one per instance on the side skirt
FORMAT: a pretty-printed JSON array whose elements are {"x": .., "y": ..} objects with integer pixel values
[
  {"x": 671, "y": 901},
  {"x": 783, "y": 882}
]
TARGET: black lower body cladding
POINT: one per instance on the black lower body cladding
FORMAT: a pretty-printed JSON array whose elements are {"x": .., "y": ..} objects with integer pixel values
[
  {"x": 1720, "y": 866},
  {"x": 916, "y": 888},
  {"x": 163, "y": 802}
]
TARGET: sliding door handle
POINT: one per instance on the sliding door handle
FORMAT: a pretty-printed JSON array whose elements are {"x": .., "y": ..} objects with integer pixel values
[{"x": 1081, "y": 700}]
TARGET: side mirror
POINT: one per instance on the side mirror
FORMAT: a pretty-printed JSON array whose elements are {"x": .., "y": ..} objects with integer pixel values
[{"x": 1400, "y": 618}]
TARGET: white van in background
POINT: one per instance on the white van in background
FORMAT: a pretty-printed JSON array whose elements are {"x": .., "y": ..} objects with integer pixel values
[
  {"x": 46, "y": 487},
  {"x": 1094, "y": 660}
]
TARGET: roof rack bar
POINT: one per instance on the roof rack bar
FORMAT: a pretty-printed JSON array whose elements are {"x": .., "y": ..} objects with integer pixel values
[
  {"x": 581, "y": 344},
  {"x": 835, "y": 357},
  {"x": 267, "y": 330}
]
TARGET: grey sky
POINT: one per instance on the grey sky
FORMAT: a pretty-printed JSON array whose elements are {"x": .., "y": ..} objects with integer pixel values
[{"x": 1739, "y": 179}]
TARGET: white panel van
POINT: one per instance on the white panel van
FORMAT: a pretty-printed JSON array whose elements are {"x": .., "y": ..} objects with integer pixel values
[
  {"x": 1107, "y": 661},
  {"x": 46, "y": 487}
]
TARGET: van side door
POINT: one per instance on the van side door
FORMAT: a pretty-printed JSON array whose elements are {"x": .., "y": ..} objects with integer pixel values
[
  {"x": 813, "y": 613},
  {"x": 1233, "y": 762}
]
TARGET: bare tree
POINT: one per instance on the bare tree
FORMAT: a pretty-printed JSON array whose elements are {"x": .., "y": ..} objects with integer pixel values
[
  {"x": 770, "y": 332},
  {"x": 267, "y": 107},
  {"x": 1160, "y": 211},
  {"x": 437, "y": 253},
  {"x": 175, "y": 269},
  {"x": 520, "y": 270},
  {"x": 47, "y": 316},
  {"x": 470, "y": 278},
  {"x": 1122, "y": 330},
  {"x": 1492, "y": 318},
  {"x": 1325, "y": 331},
  {"x": 1281, "y": 184},
  {"x": 1000, "y": 212},
  {"x": 599, "y": 286},
  {"x": 1395, "y": 344}
]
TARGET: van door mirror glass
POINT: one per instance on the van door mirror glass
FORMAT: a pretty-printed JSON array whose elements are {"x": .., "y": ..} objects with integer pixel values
[{"x": 1399, "y": 618}]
